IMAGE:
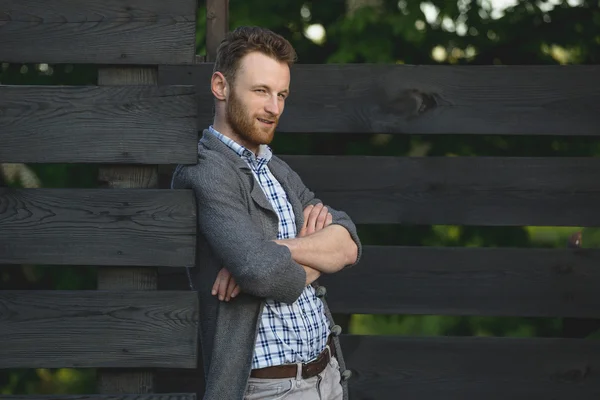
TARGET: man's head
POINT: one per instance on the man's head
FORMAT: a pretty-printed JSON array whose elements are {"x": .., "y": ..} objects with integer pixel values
[{"x": 250, "y": 83}]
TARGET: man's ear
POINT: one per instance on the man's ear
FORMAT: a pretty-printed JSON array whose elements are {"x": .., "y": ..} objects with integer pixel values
[{"x": 218, "y": 86}]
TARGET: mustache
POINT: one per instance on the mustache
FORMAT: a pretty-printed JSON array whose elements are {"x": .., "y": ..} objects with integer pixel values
[{"x": 269, "y": 118}]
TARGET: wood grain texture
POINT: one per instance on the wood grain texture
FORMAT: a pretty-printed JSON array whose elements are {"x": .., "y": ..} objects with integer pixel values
[
  {"x": 469, "y": 281},
  {"x": 123, "y": 380},
  {"x": 499, "y": 191},
  {"x": 454, "y": 368},
  {"x": 92, "y": 124},
  {"x": 405, "y": 99},
  {"x": 159, "y": 396},
  {"x": 98, "y": 31},
  {"x": 81, "y": 329},
  {"x": 97, "y": 227},
  {"x": 217, "y": 26}
]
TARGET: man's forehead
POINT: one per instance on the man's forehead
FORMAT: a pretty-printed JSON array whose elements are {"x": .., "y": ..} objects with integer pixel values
[{"x": 257, "y": 68}]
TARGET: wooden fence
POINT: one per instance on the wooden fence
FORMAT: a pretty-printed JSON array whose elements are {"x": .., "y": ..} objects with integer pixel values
[{"x": 140, "y": 327}]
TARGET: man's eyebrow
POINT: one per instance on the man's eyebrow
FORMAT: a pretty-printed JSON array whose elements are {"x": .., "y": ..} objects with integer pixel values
[{"x": 265, "y": 86}]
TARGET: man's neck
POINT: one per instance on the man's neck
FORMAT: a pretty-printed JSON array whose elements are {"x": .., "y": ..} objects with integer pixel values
[{"x": 224, "y": 129}]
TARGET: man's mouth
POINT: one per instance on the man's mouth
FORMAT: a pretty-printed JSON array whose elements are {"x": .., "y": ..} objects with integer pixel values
[{"x": 266, "y": 121}]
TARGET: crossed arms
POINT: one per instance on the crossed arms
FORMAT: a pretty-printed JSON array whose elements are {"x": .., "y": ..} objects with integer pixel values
[
  {"x": 276, "y": 269},
  {"x": 319, "y": 248}
]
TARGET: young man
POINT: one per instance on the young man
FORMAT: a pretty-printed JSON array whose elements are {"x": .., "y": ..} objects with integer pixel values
[{"x": 263, "y": 239}]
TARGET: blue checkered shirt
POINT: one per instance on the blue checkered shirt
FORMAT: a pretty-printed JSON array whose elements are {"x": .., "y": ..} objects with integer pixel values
[{"x": 287, "y": 333}]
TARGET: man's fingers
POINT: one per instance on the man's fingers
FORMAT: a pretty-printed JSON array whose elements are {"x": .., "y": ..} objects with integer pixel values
[
  {"x": 315, "y": 218},
  {"x": 312, "y": 219},
  {"x": 230, "y": 287},
  {"x": 321, "y": 219},
  {"x": 215, "y": 288},
  {"x": 220, "y": 286},
  {"x": 329, "y": 219},
  {"x": 236, "y": 291},
  {"x": 306, "y": 213}
]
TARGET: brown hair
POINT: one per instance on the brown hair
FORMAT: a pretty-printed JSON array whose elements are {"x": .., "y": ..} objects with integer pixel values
[{"x": 245, "y": 40}]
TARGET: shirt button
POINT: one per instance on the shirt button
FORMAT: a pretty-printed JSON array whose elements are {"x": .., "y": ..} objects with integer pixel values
[
  {"x": 347, "y": 374},
  {"x": 321, "y": 291},
  {"x": 336, "y": 330}
]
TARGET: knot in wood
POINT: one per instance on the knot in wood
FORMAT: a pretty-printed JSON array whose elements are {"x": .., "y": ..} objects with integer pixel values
[{"x": 411, "y": 103}]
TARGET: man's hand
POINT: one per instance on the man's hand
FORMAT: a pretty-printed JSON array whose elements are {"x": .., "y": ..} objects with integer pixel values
[
  {"x": 316, "y": 218},
  {"x": 225, "y": 286},
  {"x": 320, "y": 244}
]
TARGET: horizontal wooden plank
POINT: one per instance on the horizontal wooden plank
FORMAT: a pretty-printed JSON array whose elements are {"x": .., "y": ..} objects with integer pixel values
[
  {"x": 98, "y": 31},
  {"x": 92, "y": 124},
  {"x": 81, "y": 329},
  {"x": 174, "y": 379},
  {"x": 469, "y": 281},
  {"x": 406, "y": 99},
  {"x": 149, "y": 396},
  {"x": 472, "y": 368},
  {"x": 498, "y": 191},
  {"x": 120, "y": 227}
]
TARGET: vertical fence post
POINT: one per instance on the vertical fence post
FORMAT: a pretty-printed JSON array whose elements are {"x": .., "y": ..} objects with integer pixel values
[
  {"x": 217, "y": 26},
  {"x": 110, "y": 278}
]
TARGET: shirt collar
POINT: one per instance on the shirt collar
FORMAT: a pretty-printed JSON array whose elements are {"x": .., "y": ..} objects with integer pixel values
[{"x": 258, "y": 161}]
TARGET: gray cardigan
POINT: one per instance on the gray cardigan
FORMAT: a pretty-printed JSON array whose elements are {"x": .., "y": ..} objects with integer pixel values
[{"x": 236, "y": 229}]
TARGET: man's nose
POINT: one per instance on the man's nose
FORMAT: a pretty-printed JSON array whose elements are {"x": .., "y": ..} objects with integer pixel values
[{"x": 272, "y": 106}]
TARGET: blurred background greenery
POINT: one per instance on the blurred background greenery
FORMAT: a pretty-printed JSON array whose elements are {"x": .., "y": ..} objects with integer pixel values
[{"x": 455, "y": 32}]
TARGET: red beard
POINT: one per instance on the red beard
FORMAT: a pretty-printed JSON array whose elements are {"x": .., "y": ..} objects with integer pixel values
[{"x": 247, "y": 128}]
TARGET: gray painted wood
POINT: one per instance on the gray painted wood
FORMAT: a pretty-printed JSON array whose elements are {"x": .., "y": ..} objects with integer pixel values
[
  {"x": 454, "y": 368},
  {"x": 468, "y": 281},
  {"x": 127, "y": 177},
  {"x": 120, "y": 227},
  {"x": 98, "y": 328},
  {"x": 93, "y": 124},
  {"x": 406, "y": 99},
  {"x": 217, "y": 26},
  {"x": 499, "y": 191},
  {"x": 98, "y": 31}
]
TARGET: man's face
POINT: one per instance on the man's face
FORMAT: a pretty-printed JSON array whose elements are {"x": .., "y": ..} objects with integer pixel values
[{"x": 256, "y": 99}]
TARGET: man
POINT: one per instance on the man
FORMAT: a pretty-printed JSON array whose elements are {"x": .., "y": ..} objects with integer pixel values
[{"x": 263, "y": 239}]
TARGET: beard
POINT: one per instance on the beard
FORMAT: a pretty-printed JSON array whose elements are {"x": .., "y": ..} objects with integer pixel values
[{"x": 246, "y": 126}]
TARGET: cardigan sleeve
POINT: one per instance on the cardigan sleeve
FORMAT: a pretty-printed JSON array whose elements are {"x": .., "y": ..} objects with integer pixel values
[
  {"x": 307, "y": 197},
  {"x": 260, "y": 267}
]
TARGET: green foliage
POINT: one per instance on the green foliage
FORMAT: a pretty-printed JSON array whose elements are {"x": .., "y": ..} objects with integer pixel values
[{"x": 47, "y": 381}]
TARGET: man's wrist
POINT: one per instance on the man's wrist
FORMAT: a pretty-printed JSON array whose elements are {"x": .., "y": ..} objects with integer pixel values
[{"x": 291, "y": 244}]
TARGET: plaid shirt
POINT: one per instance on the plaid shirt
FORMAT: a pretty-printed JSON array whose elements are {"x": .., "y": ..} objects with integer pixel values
[{"x": 287, "y": 333}]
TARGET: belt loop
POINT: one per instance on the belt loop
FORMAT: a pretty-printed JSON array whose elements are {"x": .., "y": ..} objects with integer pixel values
[
  {"x": 329, "y": 351},
  {"x": 298, "y": 372}
]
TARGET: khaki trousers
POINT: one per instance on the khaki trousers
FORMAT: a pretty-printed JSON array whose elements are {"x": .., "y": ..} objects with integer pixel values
[{"x": 325, "y": 386}]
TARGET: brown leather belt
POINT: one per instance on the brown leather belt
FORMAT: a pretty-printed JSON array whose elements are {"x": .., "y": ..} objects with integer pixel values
[{"x": 309, "y": 370}]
